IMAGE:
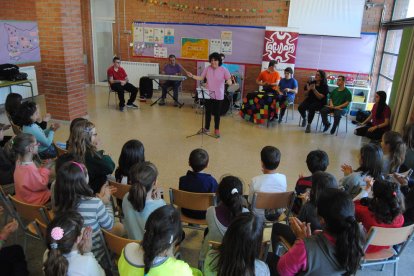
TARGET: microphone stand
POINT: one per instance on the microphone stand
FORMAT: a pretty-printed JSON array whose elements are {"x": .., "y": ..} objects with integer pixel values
[{"x": 201, "y": 131}]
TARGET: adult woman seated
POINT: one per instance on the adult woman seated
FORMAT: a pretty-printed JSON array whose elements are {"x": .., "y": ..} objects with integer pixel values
[
  {"x": 316, "y": 94},
  {"x": 378, "y": 122}
]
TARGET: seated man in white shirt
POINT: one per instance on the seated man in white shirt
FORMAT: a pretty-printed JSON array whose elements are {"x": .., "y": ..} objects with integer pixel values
[{"x": 270, "y": 181}]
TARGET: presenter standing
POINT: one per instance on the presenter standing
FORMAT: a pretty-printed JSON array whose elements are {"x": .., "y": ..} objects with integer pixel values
[{"x": 216, "y": 76}]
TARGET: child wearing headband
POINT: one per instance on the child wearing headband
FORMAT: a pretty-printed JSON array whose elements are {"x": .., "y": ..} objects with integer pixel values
[
  {"x": 230, "y": 196},
  {"x": 69, "y": 248}
]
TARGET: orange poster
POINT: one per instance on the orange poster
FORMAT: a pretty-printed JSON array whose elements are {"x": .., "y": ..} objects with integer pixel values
[{"x": 194, "y": 48}]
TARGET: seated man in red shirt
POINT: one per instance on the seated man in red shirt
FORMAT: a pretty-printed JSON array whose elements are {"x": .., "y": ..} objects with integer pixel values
[{"x": 118, "y": 80}]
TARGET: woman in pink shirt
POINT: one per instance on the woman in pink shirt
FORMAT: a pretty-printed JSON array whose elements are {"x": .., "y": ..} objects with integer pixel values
[
  {"x": 31, "y": 182},
  {"x": 335, "y": 251},
  {"x": 216, "y": 76}
]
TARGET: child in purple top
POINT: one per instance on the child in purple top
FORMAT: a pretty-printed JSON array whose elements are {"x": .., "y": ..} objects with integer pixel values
[
  {"x": 216, "y": 76},
  {"x": 196, "y": 181},
  {"x": 171, "y": 68}
]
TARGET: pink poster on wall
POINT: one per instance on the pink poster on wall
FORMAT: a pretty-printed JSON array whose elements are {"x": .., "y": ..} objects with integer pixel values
[{"x": 280, "y": 44}]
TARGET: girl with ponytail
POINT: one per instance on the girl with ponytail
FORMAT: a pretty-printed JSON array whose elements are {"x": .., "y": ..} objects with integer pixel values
[
  {"x": 143, "y": 198},
  {"x": 230, "y": 197},
  {"x": 69, "y": 248},
  {"x": 394, "y": 152},
  {"x": 385, "y": 209},
  {"x": 335, "y": 251},
  {"x": 155, "y": 254}
]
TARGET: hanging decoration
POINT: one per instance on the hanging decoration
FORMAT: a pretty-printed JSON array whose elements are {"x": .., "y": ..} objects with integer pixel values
[{"x": 224, "y": 12}]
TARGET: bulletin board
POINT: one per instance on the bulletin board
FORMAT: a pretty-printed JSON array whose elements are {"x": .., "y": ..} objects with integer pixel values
[{"x": 244, "y": 45}]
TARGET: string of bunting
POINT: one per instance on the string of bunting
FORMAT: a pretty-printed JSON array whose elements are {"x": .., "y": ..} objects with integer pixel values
[{"x": 219, "y": 11}]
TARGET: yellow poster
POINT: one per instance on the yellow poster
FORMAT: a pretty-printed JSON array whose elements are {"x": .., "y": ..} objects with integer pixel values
[{"x": 194, "y": 48}]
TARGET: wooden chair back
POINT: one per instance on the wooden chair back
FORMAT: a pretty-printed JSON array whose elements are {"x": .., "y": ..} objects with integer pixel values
[
  {"x": 42, "y": 228},
  {"x": 29, "y": 211},
  {"x": 273, "y": 200},
  {"x": 115, "y": 244},
  {"x": 193, "y": 201},
  {"x": 60, "y": 151},
  {"x": 381, "y": 236},
  {"x": 121, "y": 189}
]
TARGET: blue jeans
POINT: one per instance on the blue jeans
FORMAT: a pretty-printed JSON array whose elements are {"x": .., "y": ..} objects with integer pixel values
[
  {"x": 174, "y": 84},
  {"x": 336, "y": 113}
]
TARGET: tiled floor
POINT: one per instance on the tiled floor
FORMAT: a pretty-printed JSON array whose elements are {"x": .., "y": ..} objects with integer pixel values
[{"x": 163, "y": 131}]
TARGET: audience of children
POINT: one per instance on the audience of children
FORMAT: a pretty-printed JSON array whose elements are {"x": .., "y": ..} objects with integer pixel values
[
  {"x": 69, "y": 247},
  {"x": 317, "y": 160},
  {"x": 385, "y": 209},
  {"x": 31, "y": 182},
  {"x": 370, "y": 165},
  {"x": 143, "y": 198},
  {"x": 12, "y": 259},
  {"x": 28, "y": 116},
  {"x": 337, "y": 250},
  {"x": 239, "y": 251},
  {"x": 82, "y": 199},
  {"x": 394, "y": 150},
  {"x": 132, "y": 153},
  {"x": 321, "y": 181},
  {"x": 155, "y": 254},
  {"x": 72, "y": 193},
  {"x": 196, "y": 181},
  {"x": 83, "y": 144},
  {"x": 230, "y": 198},
  {"x": 270, "y": 181}
]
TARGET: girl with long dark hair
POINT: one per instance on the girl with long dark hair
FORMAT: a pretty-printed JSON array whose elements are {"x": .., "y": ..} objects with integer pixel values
[
  {"x": 230, "y": 196},
  {"x": 132, "y": 153},
  {"x": 335, "y": 251},
  {"x": 155, "y": 254},
  {"x": 394, "y": 150},
  {"x": 378, "y": 122},
  {"x": 370, "y": 165},
  {"x": 316, "y": 92},
  {"x": 143, "y": 198},
  {"x": 69, "y": 248}
]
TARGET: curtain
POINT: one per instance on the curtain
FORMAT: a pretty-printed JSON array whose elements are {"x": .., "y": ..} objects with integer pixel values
[{"x": 404, "y": 102}]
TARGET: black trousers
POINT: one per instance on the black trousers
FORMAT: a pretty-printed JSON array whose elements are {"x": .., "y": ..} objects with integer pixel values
[
  {"x": 374, "y": 135},
  {"x": 213, "y": 108},
  {"x": 12, "y": 261},
  {"x": 120, "y": 89},
  {"x": 310, "y": 106}
]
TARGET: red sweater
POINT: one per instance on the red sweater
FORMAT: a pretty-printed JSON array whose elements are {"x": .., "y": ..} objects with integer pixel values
[
  {"x": 31, "y": 184},
  {"x": 367, "y": 217}
]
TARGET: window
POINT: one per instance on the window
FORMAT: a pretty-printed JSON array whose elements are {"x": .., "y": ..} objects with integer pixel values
[
  {"x": 389, "y": 61},
  {"x": 403, "y": 9}
]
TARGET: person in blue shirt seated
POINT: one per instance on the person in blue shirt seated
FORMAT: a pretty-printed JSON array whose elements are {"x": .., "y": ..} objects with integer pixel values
[
  {"x": 196, "y": 181},
  {"x": 289, "y": 87}
]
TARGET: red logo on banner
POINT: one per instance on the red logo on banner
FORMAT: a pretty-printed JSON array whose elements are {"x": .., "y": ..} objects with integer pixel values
[{"x": 280, "y": 46}]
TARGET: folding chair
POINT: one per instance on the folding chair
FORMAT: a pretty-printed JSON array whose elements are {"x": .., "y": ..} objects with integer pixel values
[
  {"x": 274, "y": 201},
  {"x": 29, "y": 212},
  {"x": 113, "y": 91},
  {"x": 292, "y": 105},
  {"x": 387, "y": 237},
  {"x": 330, "y": 116},
  {"x": 41, "y": 228},
  {"x": 192, "y": 201},
  {"x": 121, "y": 191}
]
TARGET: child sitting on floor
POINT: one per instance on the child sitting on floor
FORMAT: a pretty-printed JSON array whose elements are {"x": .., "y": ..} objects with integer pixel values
[{"x": 196, "y": 181}]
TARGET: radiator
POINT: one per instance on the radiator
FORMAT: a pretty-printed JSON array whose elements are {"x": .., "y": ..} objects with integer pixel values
[
  {"x": 24, "y": 91},
  {"x": 136, "y": 70}
]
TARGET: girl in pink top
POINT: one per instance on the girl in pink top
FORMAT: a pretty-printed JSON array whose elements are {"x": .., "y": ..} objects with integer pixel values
[
  {"x": 216, "y": 76},
  {"x": 30, "y": 181},
  {"x": 335, "y": 251}
]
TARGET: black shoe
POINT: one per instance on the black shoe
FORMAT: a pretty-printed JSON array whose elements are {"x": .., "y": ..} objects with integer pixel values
[
  {"x": 333, "y": 129},
  {"x": 308, "y": 128},
  {"x": 131, "y": 105},
  {"x": 280, "y": 120},
  {"x": 326, "y": 127},
  {"x": 121, "y": 108},
  {"x": 303, "y": 122}
]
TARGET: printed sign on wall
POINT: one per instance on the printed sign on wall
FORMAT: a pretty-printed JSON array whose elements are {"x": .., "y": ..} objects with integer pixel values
[{"x": 194, "y": 48}]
